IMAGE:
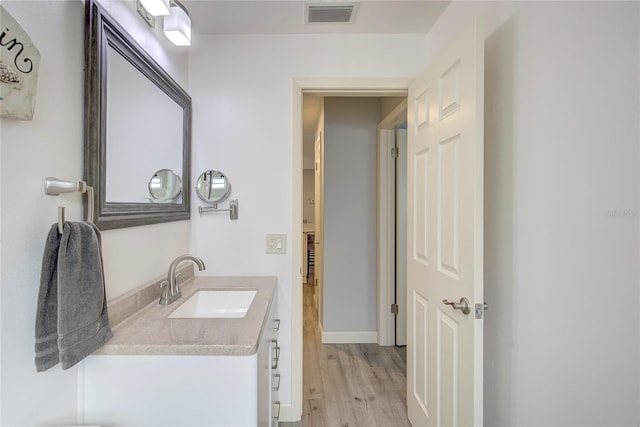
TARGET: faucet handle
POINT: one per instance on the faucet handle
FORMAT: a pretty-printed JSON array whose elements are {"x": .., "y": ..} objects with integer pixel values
[{"x": 164, "y": 293}]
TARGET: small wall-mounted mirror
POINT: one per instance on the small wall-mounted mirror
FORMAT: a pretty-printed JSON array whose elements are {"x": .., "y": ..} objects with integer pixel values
[
  {"x": 213, "y": 187},
  {"x": 165, "y": 186}
]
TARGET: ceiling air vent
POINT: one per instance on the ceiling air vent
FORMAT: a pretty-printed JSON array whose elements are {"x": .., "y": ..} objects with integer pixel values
[{"x": 331, "y": 13}]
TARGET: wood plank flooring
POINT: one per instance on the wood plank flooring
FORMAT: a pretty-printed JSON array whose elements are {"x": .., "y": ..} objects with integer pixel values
[{"x": 350, "y": 385}]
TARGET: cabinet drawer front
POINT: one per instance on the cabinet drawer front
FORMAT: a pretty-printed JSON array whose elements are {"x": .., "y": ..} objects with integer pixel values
[{"x": 275, "y": 382}]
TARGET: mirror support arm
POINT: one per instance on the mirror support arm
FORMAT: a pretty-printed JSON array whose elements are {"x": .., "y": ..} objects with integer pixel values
[{"x": 233, "y": 209}]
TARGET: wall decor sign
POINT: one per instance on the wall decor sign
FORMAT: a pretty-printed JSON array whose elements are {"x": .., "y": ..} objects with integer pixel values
[{"x": 19, "y": 62}]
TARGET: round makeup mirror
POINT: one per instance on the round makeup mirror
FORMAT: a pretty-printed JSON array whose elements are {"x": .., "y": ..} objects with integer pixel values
[
  {"x": 165, "y": 186},
  {"x": 213, "y": 187}
]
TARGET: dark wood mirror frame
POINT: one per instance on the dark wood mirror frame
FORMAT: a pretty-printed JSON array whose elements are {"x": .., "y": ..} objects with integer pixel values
[{"x": 101, "y": 31}]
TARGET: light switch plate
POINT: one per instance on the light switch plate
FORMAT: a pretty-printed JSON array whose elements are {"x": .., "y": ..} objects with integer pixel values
[{"x": 276, "y": 243}]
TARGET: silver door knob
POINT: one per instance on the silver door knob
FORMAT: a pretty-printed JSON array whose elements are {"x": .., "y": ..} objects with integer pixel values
[{"x": 463, "y": 305}]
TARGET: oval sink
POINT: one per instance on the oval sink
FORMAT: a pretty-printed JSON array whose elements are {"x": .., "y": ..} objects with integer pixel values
[{"x": 211, "y": 303}]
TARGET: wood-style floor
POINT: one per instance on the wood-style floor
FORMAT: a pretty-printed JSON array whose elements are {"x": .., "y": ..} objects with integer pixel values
[{"x": 350, "y": 385}]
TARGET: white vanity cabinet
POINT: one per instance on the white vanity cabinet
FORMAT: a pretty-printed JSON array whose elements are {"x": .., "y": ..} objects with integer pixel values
[
  {"x": 191, "y": 388},
  {"x": 268, "y": 372}
]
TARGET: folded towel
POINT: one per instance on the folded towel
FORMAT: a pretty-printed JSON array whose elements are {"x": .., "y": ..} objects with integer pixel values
[
  {"x": 72, "y": 293},
  {"x": 47, "y": 310}
]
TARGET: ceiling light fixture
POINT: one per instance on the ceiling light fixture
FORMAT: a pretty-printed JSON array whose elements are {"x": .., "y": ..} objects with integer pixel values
[
  {"x": 177, "y": 25},
  {"x": 156, "y": 7}
]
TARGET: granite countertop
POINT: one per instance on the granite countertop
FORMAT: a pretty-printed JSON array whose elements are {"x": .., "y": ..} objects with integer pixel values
[{"x": 149, "y": 331}]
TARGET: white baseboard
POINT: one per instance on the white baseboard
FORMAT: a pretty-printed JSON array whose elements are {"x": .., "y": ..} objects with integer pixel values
[{"x": 357, "y": 337}]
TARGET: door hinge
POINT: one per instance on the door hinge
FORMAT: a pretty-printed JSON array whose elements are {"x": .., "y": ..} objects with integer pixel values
[
  {"x": 394, "y": 152},
  {"x": 480, "y": 309},
  {"x": 394, "y": 308}
]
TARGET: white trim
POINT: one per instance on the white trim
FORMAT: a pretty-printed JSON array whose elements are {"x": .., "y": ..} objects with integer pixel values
[
  {"x": 385, "y": 237},
  {"x": 343, "y": 86},
  {"x": 286, "y": 413},
  {"x": 396, "y": 117},
  {"x": 80, "y": 403},
  {"x": 352, "y": 337},
  {"x": 295, "y": 407},
  {"x": 387, "y": 223},
  {"x": 355, "y": 86}
]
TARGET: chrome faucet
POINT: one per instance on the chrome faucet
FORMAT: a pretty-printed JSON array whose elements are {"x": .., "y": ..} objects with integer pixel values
[{"x": 171, "y": 287}]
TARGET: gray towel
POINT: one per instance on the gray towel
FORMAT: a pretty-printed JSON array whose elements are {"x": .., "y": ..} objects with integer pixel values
[
  {"x": 72, "y": 320},
  {"x": 47, "y": 311}
]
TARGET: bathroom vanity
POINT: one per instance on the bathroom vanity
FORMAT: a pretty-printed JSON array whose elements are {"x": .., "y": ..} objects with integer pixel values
[{"x": 160, "y": 370}]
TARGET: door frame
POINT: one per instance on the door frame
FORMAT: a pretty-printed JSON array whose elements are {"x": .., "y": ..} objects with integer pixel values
[
  {"x": 328, "y": 87},
  {"x": 386, "y": 236}
]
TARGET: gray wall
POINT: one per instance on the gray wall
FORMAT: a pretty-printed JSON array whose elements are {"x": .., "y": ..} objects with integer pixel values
[{"x": 350, "y": 214}]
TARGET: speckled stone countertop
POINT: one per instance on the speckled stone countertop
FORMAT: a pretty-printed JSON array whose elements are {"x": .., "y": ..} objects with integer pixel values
[{"x": 151, "y": 332}]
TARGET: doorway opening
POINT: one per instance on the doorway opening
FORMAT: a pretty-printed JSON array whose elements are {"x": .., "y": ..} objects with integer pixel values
[
  {"x": 309, "y": 242},
  {"x": 342, "y": 153},
  {"x": 326, "y": 87},
  {"x": 354, "y": 216}
]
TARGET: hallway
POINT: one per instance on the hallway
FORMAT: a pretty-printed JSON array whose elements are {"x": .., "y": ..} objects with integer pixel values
[{"x": 350, "y": 385}]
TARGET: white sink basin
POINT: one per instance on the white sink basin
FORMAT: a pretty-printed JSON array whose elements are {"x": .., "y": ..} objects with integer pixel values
[{"x": 211, "y": 303}]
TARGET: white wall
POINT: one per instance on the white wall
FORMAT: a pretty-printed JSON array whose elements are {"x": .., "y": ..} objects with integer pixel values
[
  {"x": 52, "y": 145},
  {"x": 242, "y": 93},
  {"x": 350, "y": 154},
  {"x": 561, "y": 170}
]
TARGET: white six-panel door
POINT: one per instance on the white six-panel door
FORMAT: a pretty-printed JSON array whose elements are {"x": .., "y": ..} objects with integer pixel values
[{"x": 445, "y": 236}]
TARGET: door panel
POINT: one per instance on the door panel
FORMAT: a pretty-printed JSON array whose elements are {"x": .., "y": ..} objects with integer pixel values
[
  {"x": 445, "y": 240},
  {"x": 448, "y": 357},
  {"x": 419, "y": 350},
  {"x": 420, "y": 207},
  {"x": 448, "y": 206}
]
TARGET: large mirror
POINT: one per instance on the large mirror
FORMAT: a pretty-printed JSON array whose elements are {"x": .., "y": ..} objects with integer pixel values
[{"x": 137, "y": 123}]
